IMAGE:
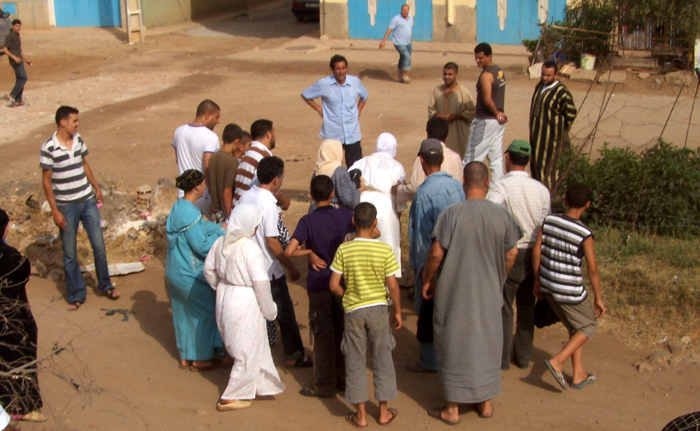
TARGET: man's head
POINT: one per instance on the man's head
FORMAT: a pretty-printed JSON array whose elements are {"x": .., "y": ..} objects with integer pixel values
[
  {"x": 262, "y": 131},
  {"x": 67, "y": 119},
  {"x": 244, "y": 144},
  {"x": 208, "y": 114},
  {"x": 476, "y": 177},
  {"x": 232, "y": 133},
  {"x": 339, "y": 67},
  {"x": 517, "y": 155},
  {"x": 16, "y": 25},
  {"x": 449, "y": 73},
  {"x": 437, "y": 128},
  {"x": 482, "y": 55},
  {"x": 549, "y": 73},
  {"x": 578, "y": 196},
  {"x": 404, "y": 10},
  {"x": 431, "y": 155},
  {"x": 365, "y": 216},
  {"x": 271, "y": 173},
  {"x": 322, "y": 188}
]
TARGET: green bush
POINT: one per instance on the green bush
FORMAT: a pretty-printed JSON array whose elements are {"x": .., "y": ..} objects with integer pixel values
[{"x": 656, "y": 191}]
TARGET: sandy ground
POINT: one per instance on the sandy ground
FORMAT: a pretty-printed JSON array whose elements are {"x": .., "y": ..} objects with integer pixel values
[{"x": 123, "y": 375}]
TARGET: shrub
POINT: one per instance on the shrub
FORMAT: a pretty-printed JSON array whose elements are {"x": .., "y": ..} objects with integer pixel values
[{"x": 656, "y": 191}]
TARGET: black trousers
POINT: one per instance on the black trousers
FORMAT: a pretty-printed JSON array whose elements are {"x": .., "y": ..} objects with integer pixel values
[
  {"x": 353, "y": 153},
  {"x": 287, "y": 319},
  {"x": 327, "y": 321}
]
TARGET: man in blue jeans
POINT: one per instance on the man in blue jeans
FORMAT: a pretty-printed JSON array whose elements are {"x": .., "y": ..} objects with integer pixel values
[
  {"x": 13, "y": 49},
  {"x": 402, "y": 26},
  {"x": 73, "y": 194}
]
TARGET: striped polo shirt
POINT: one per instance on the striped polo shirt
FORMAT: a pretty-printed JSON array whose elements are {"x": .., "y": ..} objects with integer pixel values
[
  {"x": 245, "y": 175},
  {"x": 365, "y": 264},
  {"x": 68, "y": 180},
  {"x": 562, "y": 254}
]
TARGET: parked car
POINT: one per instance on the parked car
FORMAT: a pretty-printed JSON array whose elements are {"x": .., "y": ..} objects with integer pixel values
[{"x": 306, "y": 9}]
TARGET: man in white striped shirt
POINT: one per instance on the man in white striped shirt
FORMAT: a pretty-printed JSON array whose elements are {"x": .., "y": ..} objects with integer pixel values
[
  {"x": 528, "y": 201},
  {"x": 74, "y": 195}
]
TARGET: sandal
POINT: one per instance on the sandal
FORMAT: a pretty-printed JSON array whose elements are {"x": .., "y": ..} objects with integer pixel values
[
  {"x": 34, "y": 416},
  {"x": 437, "y": 414},
  {"x": 558, "y": 375},
  {"x": 73, "y": 306},
  {"x": 15, "y": 104},
  {"x": 350, "y": 417},
  {"x": 394, "y": 413},
  {"x": 112, "y": 293}
]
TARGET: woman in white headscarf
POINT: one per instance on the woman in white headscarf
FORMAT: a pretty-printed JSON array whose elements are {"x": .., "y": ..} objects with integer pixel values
[
  {"x": 380, "y": 171},
  {"x": 235, "y": 269},
  {"x": 330, "y": 163}
]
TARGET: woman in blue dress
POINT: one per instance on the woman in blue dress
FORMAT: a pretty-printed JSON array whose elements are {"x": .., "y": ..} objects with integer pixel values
[{"x": 192, "y": 301}]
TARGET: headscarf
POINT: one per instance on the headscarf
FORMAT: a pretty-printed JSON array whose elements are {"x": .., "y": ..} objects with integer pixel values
[
  {"x": 386, "y": 143},
  {"x": 330, "y": 156},
  {"x": 4, "y": 221},
  {"x": 189, "y": 179},
  {"x": 241, "y": 224}
]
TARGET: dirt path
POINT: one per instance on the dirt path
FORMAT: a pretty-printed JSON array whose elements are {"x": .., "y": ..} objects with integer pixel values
[{"x": 123, "y": 374}]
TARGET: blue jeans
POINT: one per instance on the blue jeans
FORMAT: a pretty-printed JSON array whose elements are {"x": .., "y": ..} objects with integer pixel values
[
  {"x": 427, "y": 358},
  {"x": 85, "y": 212},
  {"x": 20, "y": 80},
  {"x": 405, "y": 52}
]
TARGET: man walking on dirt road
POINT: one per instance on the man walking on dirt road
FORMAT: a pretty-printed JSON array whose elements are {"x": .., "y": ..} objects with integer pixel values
[
  {"x": 402, "y": 26},
  {"x": 13, "y": 49},
  {"x": 343, "y": 96}
]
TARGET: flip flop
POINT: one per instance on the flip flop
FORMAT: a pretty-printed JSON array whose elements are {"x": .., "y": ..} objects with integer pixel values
[
  {"x": 313, "y": 392},
  {"x": 394, "y": 413},
  {"x": 558, "y": 375},
  {"x": 481, "y": 414},
  {"x": 236, "y": 405},
  {"x": 73, "y": 306},
  {"x": 112, "y": 293},
  {"x": 350, "y": 417},
  {"x": 437, "y": 414},
  {"x": 590, "y": 379}
]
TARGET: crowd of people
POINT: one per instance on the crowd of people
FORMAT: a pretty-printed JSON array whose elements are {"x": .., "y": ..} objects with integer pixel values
[{"x": 479, "y": 241}]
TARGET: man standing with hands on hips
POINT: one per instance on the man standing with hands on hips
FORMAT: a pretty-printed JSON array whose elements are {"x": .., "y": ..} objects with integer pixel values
[
  {"x": 342, "y": 98},
  {"x": 402, "y": 26}
]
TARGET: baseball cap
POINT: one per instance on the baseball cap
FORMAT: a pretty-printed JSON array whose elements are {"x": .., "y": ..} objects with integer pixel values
[
  {"x": 430, "y": 146},
  {"x": 520, "y": 146}
]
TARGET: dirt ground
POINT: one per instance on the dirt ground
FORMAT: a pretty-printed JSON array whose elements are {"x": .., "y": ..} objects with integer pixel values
[{"x": 123, "y": 375}]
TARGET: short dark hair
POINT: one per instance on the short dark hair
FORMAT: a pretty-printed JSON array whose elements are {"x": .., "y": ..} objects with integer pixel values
[
  {"x": 207, "y": 107},
  {"x": 246, "y": 137},
  {"x": 483, "y": 47},
  {"x": 321, "y": 188},
  {"x": 232, "y": 132},
  {"x": 518, "y": 159},
  {"x": 452, "y": 66},
  {"x": 64, "y": 113},
  {"x": 365, "y": 215},
  {"x": 16, "y": 21},
  {"x": 550, "y": 65},
  {"x": 476, "y": 175},
  {"x": 433, "y": 158},
  {"x": 578, "y": 195},
  {"x": 336, "y": 58},
  {"x": 270, "y": 168},
  {"x": 259, "y": 128},
  {"x": 437, "y": 128}
]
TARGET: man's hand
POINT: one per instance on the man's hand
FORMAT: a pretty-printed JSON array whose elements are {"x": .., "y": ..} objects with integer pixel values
[
  {"x": 59, "y": 220},
  {"x": 396, "y": 319},
  {"x": 320, "y": 111},
  {"x": 98, "y": 195},
  {"x": 501, "y": 117},
  {"x": 316, "y": 262},
  {"x": 599, "y": 307},
  {"x": 294, "y": 273},
  {"x": 537, "y": 290},
  {"x": 382, "y": 44},
  {"x": 428, "y": 289},
  {"x": 395, "y": 187}
]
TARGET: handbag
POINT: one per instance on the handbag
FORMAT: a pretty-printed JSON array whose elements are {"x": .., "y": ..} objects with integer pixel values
[{"x": 544, "y": 314}]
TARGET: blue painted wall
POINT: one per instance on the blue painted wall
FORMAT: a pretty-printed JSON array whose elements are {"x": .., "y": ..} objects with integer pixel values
[
  {"x": 521, "y": 21},
  {"x": 87, "y": 13},
  {"x": 360, "y": 26}
]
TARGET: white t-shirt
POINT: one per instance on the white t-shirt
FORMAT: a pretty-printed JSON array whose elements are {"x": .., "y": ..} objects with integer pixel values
[
  {"x": 190, "y": 143},
  {"x": 266, "y": 201},
  {"x": 4, "y": 418}
]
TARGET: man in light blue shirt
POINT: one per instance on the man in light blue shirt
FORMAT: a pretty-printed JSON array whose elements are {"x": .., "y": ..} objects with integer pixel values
[
  {"x": 402, "y": 26},
  {"x": 343, "y": 96},
  {"x": 437, "y": 192}
]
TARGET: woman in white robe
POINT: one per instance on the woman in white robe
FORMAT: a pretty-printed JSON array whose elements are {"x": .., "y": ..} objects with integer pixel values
[
  {"x": 380, "y": 171},
  {"x": 235, "y": 269}
]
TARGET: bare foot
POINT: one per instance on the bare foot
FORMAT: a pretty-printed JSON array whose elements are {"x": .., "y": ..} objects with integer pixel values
[{"x": 484, "y": 409}]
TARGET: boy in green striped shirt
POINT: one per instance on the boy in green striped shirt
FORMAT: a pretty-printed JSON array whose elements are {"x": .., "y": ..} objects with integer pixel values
[{"x": 369, "y": 268}]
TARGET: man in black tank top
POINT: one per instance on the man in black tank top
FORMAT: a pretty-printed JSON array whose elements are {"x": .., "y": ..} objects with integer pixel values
[{"x": 486, "y": 134}]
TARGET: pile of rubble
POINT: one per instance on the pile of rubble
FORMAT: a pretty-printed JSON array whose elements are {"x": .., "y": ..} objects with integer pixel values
[{"x": 133, "y": 226}]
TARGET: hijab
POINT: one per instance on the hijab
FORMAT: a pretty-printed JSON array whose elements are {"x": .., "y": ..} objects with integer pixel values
[
  {"x": 386, "y": 143},
  {"x": 241, "y": 224},
  {"x": 330, "y": 156}
]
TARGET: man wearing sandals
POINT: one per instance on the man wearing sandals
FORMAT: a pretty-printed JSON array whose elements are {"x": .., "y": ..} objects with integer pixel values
[
  {"x": 13, "y": 49},
  {"x": 74, "y": 195}
]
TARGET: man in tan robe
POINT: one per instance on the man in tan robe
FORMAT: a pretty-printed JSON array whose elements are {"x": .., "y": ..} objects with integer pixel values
[{"x": 454, "y": 103}]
